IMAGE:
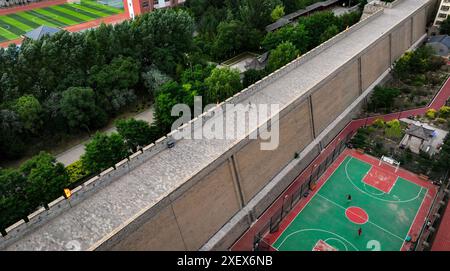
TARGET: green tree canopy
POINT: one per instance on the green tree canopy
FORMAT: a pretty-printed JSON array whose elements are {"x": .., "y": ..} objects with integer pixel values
[
  {"x": 221, "y": 84},
  {"x": 11, "y": 143},
  {"x": 46, "y": 178},
  {"x": 282, "y": 55},
  {"x": 80, "y": 110},
  {"x": 104, "y": 151},
  {"x": 234, "y": 37},
  {"x": 330, "y": 32},
  {"x": 277, "y": 13},
  {"x": 256, "y": 13},
  {"x": 171, "y": 93},
  {"x": 136, "y": 133},
  {"x": 297, "y": 35},
  {"x": 383, "y": 98},
  {"x": 13, "y": 201},
  {"x": 29, "y": 110}
]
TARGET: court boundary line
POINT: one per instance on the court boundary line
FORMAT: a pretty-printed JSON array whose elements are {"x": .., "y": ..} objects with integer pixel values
[
  {"x": 320, "y": 230},
  {"x": 372, "y": 196},
  {"x": 317, "y": 192},
  {"x": 376, "y": 225}
]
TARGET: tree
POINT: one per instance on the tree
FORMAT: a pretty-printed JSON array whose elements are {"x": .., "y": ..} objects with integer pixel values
[
  {"x": 136, "y": 133},
  {"x": 234, "y": 37},
  {"x": 252, "y": 76},
  {"x": 316, "y": 24},
  {"x": 29, "y": 110},
  {"x": 114, "y": 82},
  {"x": 393, "y": 129},
  {"x": 291, "y": 5},
  {"x": 282, "y": 55},
  {"x": 444, "y": 28},
  {"x": 256, "y": 13},
  {"x": 13, "y": 202},
  {"x": 415, "y": 62},
  {"x": 221, "y": 84},
  {"x": 79, "y": 108},
  {"x": 330, "y": 32},
  {"x": 297, "y": 35},
  {"x": 46, "y": 179},
  {"x": 195, "y": 76},
  {"x": 171, "y": 93},
  {"x": 103, "y": 151},
  {"x": 153, "y": 79},
  {"x": 166, "y": 37},
  {"x": 11, "y": 143},
  {"x": 277, "y": 13},
  {"x": 383, "y": 98}
]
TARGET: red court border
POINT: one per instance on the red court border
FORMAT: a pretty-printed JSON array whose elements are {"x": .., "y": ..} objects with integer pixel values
[{"x": 420, "y": 216}]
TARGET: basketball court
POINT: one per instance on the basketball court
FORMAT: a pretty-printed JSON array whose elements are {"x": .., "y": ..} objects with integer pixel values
[{"x": 387, "y": 205}]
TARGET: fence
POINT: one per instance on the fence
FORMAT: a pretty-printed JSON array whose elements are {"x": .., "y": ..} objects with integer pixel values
[{"x": 437, "y": 209}]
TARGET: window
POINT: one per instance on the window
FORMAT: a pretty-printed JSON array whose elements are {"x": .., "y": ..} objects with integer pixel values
[
  {"x": 438, "y": 22},
  {"x": 145, "y": 4},
  {"x": 445, "y": 8},
  {"x": 442, "y": 15}
]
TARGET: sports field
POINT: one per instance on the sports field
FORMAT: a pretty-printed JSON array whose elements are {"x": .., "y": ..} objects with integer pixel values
[
  {"x": 385, "y": 205},
  {"x": 12, "y": 26}
]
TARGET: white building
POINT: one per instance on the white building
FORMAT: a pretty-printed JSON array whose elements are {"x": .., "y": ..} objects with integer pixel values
[{"x": 443, "y": 12}]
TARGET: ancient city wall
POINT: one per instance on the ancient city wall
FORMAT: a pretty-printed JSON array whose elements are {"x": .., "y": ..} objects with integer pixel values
[{"x": 201, "y": 206}]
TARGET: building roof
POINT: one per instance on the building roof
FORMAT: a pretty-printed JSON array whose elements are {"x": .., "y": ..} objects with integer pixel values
[
  {"x": 42, "y": 30},
  {"x": 444, "y": 39},
  {"x": 287, "y": 19},
  {"x": 420, "y": 132}
]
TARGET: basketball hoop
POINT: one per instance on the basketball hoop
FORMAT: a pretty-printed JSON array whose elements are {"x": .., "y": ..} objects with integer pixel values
[{"x": 389, "y": 160}]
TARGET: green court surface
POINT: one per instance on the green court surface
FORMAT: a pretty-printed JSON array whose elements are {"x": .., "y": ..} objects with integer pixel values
[
  {"x": 389, "y": 215},
  {"x": 12, "y": 26}
]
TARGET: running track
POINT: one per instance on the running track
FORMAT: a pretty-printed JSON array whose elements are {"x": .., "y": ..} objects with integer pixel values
[{"x": 246, "y": 240}]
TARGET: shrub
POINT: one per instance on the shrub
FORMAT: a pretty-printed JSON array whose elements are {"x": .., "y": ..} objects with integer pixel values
[
  {"x": 393, "y": 129},
  {"x": 431, "y": 113},
  {"x": 444, "y": 112},
  {"x": 76, "y": 171},
  {"x": 378, "y": 123}
]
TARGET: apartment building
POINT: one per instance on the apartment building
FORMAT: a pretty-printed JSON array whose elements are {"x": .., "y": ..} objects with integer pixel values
[
  {"x": 136, "y": 7},
  {"x": 443, "y": 12}
]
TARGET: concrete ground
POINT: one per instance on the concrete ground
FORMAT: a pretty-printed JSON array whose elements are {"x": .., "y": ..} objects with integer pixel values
[{"x": 74, "y": 153}]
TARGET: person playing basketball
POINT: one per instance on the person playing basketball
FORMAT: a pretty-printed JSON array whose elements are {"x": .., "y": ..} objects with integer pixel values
[
  {"x": 359, "y": 231},
  {"x": 349, "y": 198}
]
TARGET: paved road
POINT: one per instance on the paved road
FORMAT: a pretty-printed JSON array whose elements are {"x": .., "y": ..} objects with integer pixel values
[{"x": 73, "y": 154}]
